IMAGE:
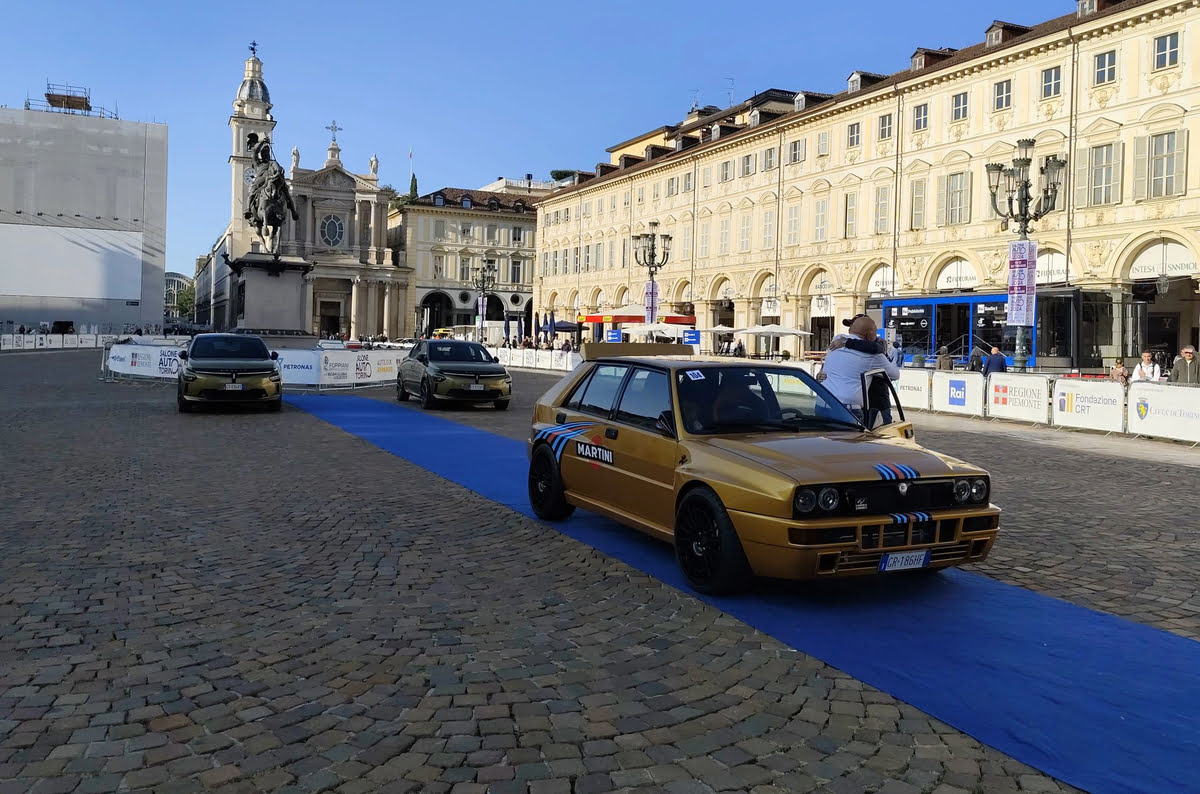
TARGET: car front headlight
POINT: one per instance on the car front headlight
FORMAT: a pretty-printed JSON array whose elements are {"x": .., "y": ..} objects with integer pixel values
[
  {"x": 827, "y": 499},
  {"x": 979, "y": 490},
  {"x": 434, "y": 375},
  {"x": 187, "y": 375},
  {"x": 962, "y": 490},
  {"x": 275, "y": 377},
  {"x": 806, "y": 500}
]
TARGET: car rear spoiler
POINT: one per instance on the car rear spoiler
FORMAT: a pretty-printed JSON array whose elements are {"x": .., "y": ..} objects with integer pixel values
[{"x": 594, "y": 350}]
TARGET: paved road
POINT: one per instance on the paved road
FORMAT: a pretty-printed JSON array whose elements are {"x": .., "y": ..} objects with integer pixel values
[{"x": 258, "y": 602}]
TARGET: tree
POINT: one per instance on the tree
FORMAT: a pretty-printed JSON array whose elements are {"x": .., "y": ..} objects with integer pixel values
[
  {"x": 390, "y": 193},
  {"x": 412, "y": 187},
  {"x": 185, "y": 301},
  {"x": 561, "y": 173}
]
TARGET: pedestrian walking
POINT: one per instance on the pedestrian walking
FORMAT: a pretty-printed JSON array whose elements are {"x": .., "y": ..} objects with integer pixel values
[
  {"x": 995, "y": 363},
  {"x": 945, "y": 361},
  {"x": 1186, "y": 368}
]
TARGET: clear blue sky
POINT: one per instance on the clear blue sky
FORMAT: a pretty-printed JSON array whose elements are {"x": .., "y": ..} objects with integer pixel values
[{"x": 478, "y": 89}]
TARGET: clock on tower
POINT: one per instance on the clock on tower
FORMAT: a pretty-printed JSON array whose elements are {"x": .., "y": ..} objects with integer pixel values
[{"x": 248, "y": 176}]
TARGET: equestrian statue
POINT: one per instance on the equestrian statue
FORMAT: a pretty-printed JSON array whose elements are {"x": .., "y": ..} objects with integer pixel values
[{"x": 270, "y": 198}]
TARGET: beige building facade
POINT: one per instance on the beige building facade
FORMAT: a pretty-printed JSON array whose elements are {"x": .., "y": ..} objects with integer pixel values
[
  {"x": 449, "y": 237},
  {"x": 805, "y": 208}
]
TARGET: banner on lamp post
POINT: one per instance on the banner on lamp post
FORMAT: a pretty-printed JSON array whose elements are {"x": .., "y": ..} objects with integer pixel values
[
  {"x": 651, "y": 302},
  {"x": 1022, "y": 283}
]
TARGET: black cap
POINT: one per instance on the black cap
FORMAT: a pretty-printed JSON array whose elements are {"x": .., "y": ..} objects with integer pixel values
[{"x": 850, "y": 322}]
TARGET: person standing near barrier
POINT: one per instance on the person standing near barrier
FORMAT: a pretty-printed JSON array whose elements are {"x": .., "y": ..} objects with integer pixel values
[
  {"x": 945, "y": 362},
  {"x": 844, "y": 366},
  {"x": 1146, "y": 369},
  {"x": 995, "y": 363},
  {"x": 1119, "y": 373},
  {"x": 975, "y": 362},
  {"x": 1186, "y": 368}
]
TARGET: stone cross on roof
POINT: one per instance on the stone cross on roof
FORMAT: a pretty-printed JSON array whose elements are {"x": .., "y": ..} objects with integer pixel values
[
  {"x": 254, "y": 48},
  {"x": 335, "y": 129}
]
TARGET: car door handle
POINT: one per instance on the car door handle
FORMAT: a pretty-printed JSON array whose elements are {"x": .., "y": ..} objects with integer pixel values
[{"x": 610, "y": 432}]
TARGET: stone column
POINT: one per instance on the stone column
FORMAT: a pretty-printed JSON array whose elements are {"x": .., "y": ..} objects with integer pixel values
[
  {"x": 354, "y": 306},
  {"x": 372, "y": 319},
  {"x": 388, "y": 308},
  {"x": 309, "y": 278}
]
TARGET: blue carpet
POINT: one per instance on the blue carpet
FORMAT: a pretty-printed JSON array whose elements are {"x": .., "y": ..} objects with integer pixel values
[{"x": 1103, "y": 703}]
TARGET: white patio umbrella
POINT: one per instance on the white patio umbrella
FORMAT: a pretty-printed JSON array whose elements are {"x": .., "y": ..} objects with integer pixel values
[
  {"x": 662, "y": 329},
  {"x": 771, "y": 330},
  {"x": 718, "y": 329}
]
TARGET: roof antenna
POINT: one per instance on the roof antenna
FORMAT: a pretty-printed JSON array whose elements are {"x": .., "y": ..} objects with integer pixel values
[
  {"x": 730, "y": 90},
  {"x": 695, "y": 100}
]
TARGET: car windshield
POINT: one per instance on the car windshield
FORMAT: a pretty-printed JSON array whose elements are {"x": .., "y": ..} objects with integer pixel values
[
  {"x": 750, "y": 399},
  {"x": 249, "y": 347},
  {"x": 459, "y": 351}
]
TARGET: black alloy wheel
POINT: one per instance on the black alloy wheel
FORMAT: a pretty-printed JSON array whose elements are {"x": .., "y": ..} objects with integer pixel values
[
  {"x": 401, "y": 392},
  {"x": 501, "y": 405},
  {"x": 426, "y": 395},
  {"x": 707, "y": 546},
  {"x": 183, "y": 405},
  {"x": 546, "y": 495}
]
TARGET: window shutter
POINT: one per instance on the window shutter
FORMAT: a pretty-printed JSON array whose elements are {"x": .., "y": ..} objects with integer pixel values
[
  {"x": 803, "y": 149},
  {"x": 1082, "y": 171},
  {"x": 1141, "y": 167},
  {"x": 1117, "y": 172},
  {"x": 969, "y": 197},
  {"x": 941, "y": 201},
  {"x": 1181, "y": 141}
]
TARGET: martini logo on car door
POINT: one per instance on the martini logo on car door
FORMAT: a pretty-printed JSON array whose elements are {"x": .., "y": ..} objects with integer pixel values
[{"x": 593, "y": 452}]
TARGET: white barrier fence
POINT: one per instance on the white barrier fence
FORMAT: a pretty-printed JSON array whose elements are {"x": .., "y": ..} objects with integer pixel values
[
  {"x": 958, "y": 393},
  {"x": 69, "y": 341}
]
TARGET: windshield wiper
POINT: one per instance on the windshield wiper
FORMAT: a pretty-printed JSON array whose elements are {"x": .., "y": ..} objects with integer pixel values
[{"x": 823, "y": 421}]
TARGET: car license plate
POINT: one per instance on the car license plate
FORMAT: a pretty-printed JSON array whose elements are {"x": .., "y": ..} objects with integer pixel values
[
  {"x": 904, "y": 560},
  {"x": 476, "y": 386},
  {"x": 233, "y": 386}
]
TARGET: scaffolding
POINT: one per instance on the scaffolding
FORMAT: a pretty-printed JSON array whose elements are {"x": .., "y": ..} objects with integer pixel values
[{"x": 66, "y": 98}]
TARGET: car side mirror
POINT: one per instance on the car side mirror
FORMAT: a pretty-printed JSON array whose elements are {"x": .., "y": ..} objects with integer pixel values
[
  {"x": 424, "y": 359},
  {"x": 274, "y": 356},
  {"x": 183, "y": 355},
  {"x": 665, "y": 424},
  {"x": 495, "y": 359}
]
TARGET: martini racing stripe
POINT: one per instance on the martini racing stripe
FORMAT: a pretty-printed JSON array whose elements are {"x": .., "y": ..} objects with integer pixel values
[
  {"x": 904, "y": 518},
  {"x": 895, "y": 471}
]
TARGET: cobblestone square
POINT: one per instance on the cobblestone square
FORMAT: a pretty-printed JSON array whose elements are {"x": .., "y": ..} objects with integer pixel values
[{"x": 236, "y": 601}]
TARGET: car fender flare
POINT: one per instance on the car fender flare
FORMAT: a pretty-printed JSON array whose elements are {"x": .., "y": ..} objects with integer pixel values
[{"x": 690, "y": 486}]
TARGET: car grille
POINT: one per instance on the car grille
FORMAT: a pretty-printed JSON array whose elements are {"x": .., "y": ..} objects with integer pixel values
[
  {"x": 464, "y": 394},
  {"x": 849, "y": 561},
  {"x": 915, "y": 533},
  {"x": 220, "y": 395},
  {"x": 875, "y": 498},
  {"x": 258, "y": 373}
]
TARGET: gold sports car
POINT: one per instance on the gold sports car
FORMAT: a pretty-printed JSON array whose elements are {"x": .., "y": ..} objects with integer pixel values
[
  {"x": 749, "y": 468},
  {"x": 225, "y": 368}
]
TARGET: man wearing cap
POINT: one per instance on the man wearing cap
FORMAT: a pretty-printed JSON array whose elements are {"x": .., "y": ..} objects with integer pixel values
[
  {"x": 852, "y": 355},
  {"x": 1186, "y": 368}
]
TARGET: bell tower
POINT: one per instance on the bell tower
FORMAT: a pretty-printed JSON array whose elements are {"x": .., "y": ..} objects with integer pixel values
[{"x": 251, "y": 116}]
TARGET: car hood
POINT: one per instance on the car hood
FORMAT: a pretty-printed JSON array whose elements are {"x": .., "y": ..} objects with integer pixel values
[
  {"x": 231, "y": 364},
  {"x": 849, "y": 457},
  {"x": 468, "y": 368}
]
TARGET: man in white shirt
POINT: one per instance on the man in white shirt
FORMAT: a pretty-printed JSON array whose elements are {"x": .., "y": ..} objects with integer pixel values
[
  {"x": 1146, "y": 369},
  {"x": 844, "y": 367}
]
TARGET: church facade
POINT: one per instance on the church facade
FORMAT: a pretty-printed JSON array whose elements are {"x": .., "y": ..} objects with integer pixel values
[{"x": 354, "y": 287}]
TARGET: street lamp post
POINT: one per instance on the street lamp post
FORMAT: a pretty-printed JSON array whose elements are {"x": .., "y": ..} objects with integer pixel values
[
  {"x": 484, "y": 281},
  {"x": 1020, "y": 207},
  {"x": 646, "y": 252}
]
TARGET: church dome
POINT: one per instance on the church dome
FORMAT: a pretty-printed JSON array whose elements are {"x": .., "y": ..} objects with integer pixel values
[{"x": 253, "y": 88}]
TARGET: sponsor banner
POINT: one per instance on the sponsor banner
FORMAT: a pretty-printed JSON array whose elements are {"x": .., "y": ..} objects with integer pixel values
[
  {"x": 958, "y": 393},
  {"x": 299, "y": 367},
  {"x": 168, "y": 361},
  {"x": 573, "y": 360},
  {"x": 1022, "y": 281},
  {"x": 385, "y": 365},
  {"x": 504, "y": 355},
  {"x": 1163, "y": 410},
  {"x": 70, "y": 340},
  {"x": 544, "y": 359},
  {"x": 6, "y": 341},
  {"x": 87, "y": 340},
  {"x": 105, "y": 339},
  {"x": 1091, "y": 405},
  {"x": 914, "y": 388},
  {"x": 39, "y": 342},
  {"x": 54, "y": 341},
  {"x": 30, "y": 342},
  {"x": 558, "y": 359},
  {"x": 337, "y": 368},
  {"x": 363, "y": 369},
  {"x": 529, "y": 359},
  {"x": 1025, "y": 398}
]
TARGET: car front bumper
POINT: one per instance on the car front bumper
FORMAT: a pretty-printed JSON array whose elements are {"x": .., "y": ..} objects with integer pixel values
[
  {"x": 790, "y": 549},
  {"x": 212, "y": 388},
  {"x": 462, "y": 389}
]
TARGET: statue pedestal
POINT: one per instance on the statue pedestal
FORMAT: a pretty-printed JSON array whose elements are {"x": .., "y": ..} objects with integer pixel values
[{"x": 269, "y": 291}]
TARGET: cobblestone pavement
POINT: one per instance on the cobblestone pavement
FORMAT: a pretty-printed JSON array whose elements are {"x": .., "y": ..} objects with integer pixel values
[
  {"x": 245, "y": 602},
  {"x": 1106, "y": 523}
]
